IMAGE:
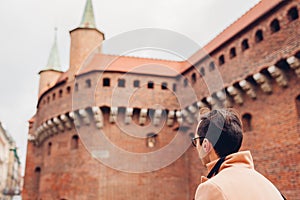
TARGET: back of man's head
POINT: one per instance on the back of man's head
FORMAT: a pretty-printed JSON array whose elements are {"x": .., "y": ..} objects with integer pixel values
[{"x": 223, "y": 128}]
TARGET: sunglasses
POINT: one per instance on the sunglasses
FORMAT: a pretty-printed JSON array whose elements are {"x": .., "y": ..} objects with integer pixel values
[{"x": 194, "y": 140}]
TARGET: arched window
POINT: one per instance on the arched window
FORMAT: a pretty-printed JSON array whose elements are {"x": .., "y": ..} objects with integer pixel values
[
  {"x": 194, "y": 78},
  {"x": 150, "y": 85},
  {"x": 298, "y": 105},
  {"x": 74, "y": 142},
  {"x": 293, "y": 14},
  {"x": 68, "y": 90},
  {"x": 202, "y": 71},
  {"x": 232, "y": 53},
  {"x": 76, "y": 87},
  {"x": 49, "y": 148},
  {"x": 259, "y": 36},
  {"x": 245, "y": 44},
  {"x": 37, "y": 174},
  {"x": 211, "y": 66},
  {"x": 88, "y": 83},
  {"x": 136, "y": 83},
  {"x": 221, "y": 60},
  {"x": 164, "y": 86},
  {"x": 121, "y": 83},
  {"x": 246, "y": 120},
  {"x": 106, "y": 82},
  {"x": 151, "y": 140},
  {"x": 174, "y": 87},
  {"x": 185, "y": 82},
  {"x": 53, "y": 96},
  {"x": 48, "y": 99},
  {"x": 60, "y": 93},
  {"x": 275, "y": 26}
]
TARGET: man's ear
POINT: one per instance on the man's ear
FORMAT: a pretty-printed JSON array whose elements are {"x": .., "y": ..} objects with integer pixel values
[{"x": 206, "y": 145}]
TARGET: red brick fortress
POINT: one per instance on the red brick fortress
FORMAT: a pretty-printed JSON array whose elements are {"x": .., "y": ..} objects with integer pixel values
[{"x": 258, "y": 58}]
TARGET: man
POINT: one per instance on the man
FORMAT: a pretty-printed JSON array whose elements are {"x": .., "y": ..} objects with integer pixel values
[{"x": 231, "y": 176}]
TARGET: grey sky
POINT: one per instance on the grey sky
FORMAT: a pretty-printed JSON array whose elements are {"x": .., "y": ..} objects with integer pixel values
[{"x": 27, "y": 33}]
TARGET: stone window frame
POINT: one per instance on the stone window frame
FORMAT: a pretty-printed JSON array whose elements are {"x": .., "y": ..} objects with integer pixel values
[
  {"x": 245, "y": 45},
  {"x": 232, "y": 53},
  {"x": 259, "y": 36},
  {"x": 247, "y": 122},
  {"x": 297, "y": 102},
  {"x": 221, "y": 59},
  {"x": 75, "y": 142},
  {"x": 164, "y": 85},
  {"x": 106, "y": 82},
  {"x": 150, "y": 85},
  {"x": 212, "y": 66},
  {"x": 293, "y": 14},
  {"x": 275, "y": 26},
  {"x": 136, "y": 83},
  {"x": 88, "y": 83},
  {"x": 121, "y": 82}
]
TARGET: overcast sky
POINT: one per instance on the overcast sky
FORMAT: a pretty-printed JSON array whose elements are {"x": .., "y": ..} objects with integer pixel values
[{"x": 27, "y": 33}]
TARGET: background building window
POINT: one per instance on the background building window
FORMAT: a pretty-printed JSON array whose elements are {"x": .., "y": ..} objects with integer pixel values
[
  {"x": 245, "y": 45},
  {"x": 232, "y": 53},
  {"x": 246, "y": 120},
  {"x": 202, "y": 71},
  {"x": 174, "y": 87},
  {"x": 275, "y": 26},
  {"x": 150, "y": 85},
  {"x": 164, "y": 86},
  {"x": 49, "y": 148},
  {"x": 221, "y": 60},
  {"x": 37, "y": 173},
  {"x": 185, "y": 82},
  {"x": 194, "y": 77},
  {"x": 60, "y": 93},
  {"x": 68, "y": 90},
  {"x": 74, "y": 142},
  {"x": 53, "y": 96},
  {"x": 136, "y": 83},
  {"x": 121, "y": 83},
  {"x": 76, "y": 87},
  {"x": 88, "y": 83},
  {"x": 293, "y": 14},
  {"x": 259, "y": 36},
  {"x": 211, "y": 66},
  {"x": 298, "y": 105},
  {"x": 106, "y": 82}
]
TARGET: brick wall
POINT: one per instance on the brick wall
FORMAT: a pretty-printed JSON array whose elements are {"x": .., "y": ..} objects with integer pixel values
[{"x": 272, "y": 137}]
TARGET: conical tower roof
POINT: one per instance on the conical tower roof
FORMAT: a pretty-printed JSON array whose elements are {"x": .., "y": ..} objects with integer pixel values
[
  {"x": 53, "y": 60},
  {"x": 88, "y": 19}
]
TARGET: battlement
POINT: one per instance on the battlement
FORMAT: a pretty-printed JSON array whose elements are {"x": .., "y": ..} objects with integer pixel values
[{"x": 227, "y": 97}]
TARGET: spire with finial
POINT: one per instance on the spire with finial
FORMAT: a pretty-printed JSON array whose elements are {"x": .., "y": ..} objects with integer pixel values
[
  {"x": 88, "y": 19},
  {"x": 54, "y": 61}
]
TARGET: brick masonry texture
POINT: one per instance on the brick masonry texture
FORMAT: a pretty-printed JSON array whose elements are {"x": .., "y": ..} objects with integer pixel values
[{"x": 56, "y": 170}]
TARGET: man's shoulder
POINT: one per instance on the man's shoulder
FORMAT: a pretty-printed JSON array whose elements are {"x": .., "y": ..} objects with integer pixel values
[
  {"x": 235, "y": 182},
  {"x": 209, "y": 190}
]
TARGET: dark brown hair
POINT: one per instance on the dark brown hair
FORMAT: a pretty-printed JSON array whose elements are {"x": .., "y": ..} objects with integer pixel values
[{"x": 223, "y": 128}]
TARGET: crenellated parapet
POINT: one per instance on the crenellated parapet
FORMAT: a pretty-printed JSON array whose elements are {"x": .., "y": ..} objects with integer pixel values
[
  {"x": 294, "y": 63},
  {"x": 94, "y": 116},
  {"x": 227, "y": 97},
  {"x": 263, "y": 80}
]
